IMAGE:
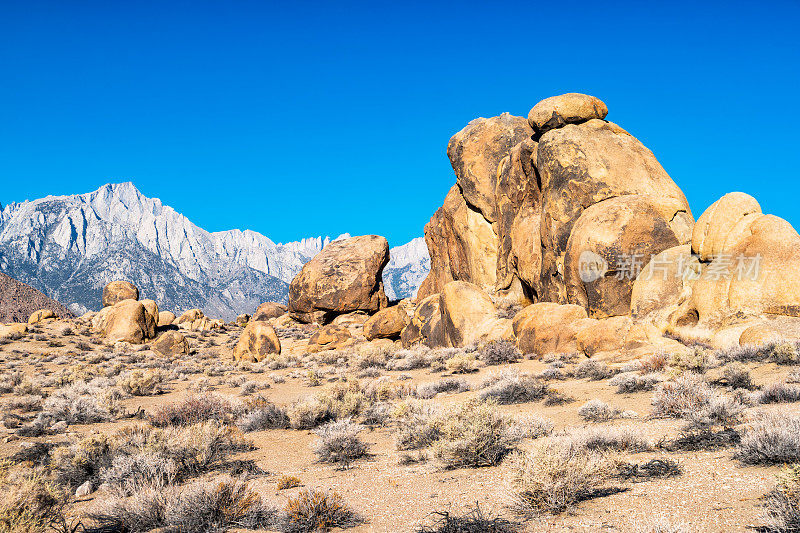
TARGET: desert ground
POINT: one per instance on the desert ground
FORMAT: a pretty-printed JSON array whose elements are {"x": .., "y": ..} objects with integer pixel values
[{"x": 392, "y": 437}]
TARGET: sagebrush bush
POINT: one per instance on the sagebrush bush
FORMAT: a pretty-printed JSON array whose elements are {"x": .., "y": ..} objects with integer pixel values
[
  {"x": 416, "y": 425},
  {"x": 472, "y": 521},
  {"x": 778, "y": 393},
  {"x": 593, "y": 370},
  {"x": 512, "y": 387},
  {"x": 602, "y": 438},
  {"x": 550, "y": 478},
  {"x": 782, "y": 353},
  {"x": 772, "y": 438},
  {"x": 193, "y": 409},
  {"x": 143, "y": 383},
  {"x": 461, "y": 363},
  {"x": 314, "y": 510},
  {"x": 429, "y": 390},
  {"x": 473, "y": 434},
  {"x": 685, "y": 394},
  {"x": 500, "y": 352},
  {"x": 782, "y": 504},
  {"x": 339, "y": 442},
  {"x": 29, "y": 503},
  {"x": 736, "y": 376},
  {"x": 202, "y": 507},
  {"x": 598, "y": 411},
  {"x": 80, "y": 403},
  {"x": 261, "y": 417},
  {"x": 630, "y": 382},
  {"x": 288, "y": 482}
]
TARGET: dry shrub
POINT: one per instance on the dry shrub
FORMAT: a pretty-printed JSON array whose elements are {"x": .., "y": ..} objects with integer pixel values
[
  {"x": 778, "y": 393},
  {"x": 461, "y": 363},
  {"x": 686, "y": 394},
  {"x": 430, "y": 390},
  {"x": 340, "y": 401},
  {"x": 782, "y": 504},
  {"x": 782, "y": 353},
  {"x": 28, "y": 502},
  {"x": 339, "y": 443},
  {"x": 193, "y": 409},
  {"x": 512, "y": 387},
  {"x": 599, "y": 411},
  {"x": 550, "y": 478},
  {"x": 602, "y": 439},
  {"x": 416, "y": 425},
  {"x": 593, "y": 370},
  {"x": 473, "y": 434},
  {"x": 314, "y": 510},
  {"x": 80, "y": 403},
  {"x": 262, "y": 414},
  {"x": 630, "y": 382},
  {"x": 473, "y": 521},
  {"x": 772, "y": 438},
  {"x": 143, "y": 383},
  {"x": 499, "y": 352},
  {"x": 288, "y": 482}
]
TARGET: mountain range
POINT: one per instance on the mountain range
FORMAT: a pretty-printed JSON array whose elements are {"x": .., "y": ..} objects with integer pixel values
[{"x": 70, "y": 246}]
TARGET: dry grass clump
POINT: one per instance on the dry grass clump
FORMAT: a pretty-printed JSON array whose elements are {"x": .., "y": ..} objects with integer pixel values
[
  {"x": 550, "y": 478},
  {"x": 601, "y": 439},
  {"x": 262, "y": 414},
  {"x": 778, "y": 393},
  {"x": 143, "y": 383},
  {"x": 658, "y": 468},
  {"x": 416, "y": 425},
  {"x": 685, "y": 394},
  {"x": 593, "y": 370},
  {"x": 314, "y": 510},
  {"x": 288, "y": 482},
  {"x": 80, "y": 403},
  {"x": 698, "y": 361},
  {"x": 340, "y": 401},
  {"x": 430, "y": 390},
  {"x": 772, "y": 438},
  {"x": 782, "y": 504},
  {"x": 474, "y": 434},
  {"x": 339, "y": 443},
  {"x": 510, "y": 387},
  {"x": 599, "y": 411},
  {"x": 461, "y": 363},
  {"x": 193, "y": 409},
  {"x": 203, "y": 507},
  {"x": 500, "y": 353},
  {"x": 735, "y": 375},
  {"x": 782, "y": 353},
  {"x": 472, "y": 521},
  {"x": 630, "y": 382},
  {"x": 28, "y": 501}
]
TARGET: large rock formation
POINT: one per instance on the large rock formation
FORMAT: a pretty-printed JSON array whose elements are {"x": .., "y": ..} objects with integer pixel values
[
  {"x": 126, "y": 321},
  {"x": 256, "y": 342},
  {"x": 119, "y": 290},
  {"x": 344, "y": 277},
  {"x": 469, "y": 316},
  {"x": 426, "y": 325}
]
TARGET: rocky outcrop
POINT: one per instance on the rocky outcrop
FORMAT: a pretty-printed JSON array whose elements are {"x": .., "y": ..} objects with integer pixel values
[
  {"x": 549, "y": 327},
  {"x": 41, "y": 315},
  {"x": 119, "y": 290},
  {"x": 426, "y": 325},
  {"x": 386, "y": 324},
  {"x": 344, "y": 277},
  {"x": 165, "y": 318},
  {"x": 126, "y": 321},
  {"x": 469, "y": 316},
  {"x": 257, "y": 341}
]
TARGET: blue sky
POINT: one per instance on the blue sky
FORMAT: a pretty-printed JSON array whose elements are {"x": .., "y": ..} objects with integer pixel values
[{"x": 298, "y": 119}]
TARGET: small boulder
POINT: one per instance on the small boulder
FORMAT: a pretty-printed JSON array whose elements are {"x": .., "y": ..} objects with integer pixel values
[
  {"x": 330, "y": 337},
  {"x": 386, "y": 324},
  {"x": 84, "y": 490},
  {"x": 256, "y": 342},
  {"x": 758, "y": 335},
  {"x": 269, "y": 310},
  {"x": 570, "y": 108},
  {"x": 171, "y": 343},
  {"x": 165, "y": 318},
  {"x": 242, "y": 320},
  {"x": 12, "y": 330},
  {"x": 41, "y": 315},
  {"x": 119, "y": 290},
  {"x": 128, "y": 321},
  {"x": 189, "y": 316},
  {"x": 469, "y": 316},
  {"x": 344, "y": 277}
]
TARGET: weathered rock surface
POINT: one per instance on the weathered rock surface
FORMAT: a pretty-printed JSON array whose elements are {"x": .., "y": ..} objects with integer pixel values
[
  {"x": 13, "y": 329},
  {"x": 386, "y": 324},
  {"x": 41, "y": 315},
  {"x": 126, "y": 321},
  {"x": 165, "y": 318},
  {"x": 119, "y": 290},
  {"x": 570, "y": 108},
  {"x": 345, "y": 276},
  {"x": 546, "y": 327},
  {"x": 171, "y": 343},
  {"x": 469, "y": 316},
  {"x": 426, "y": 325},
  {"x": 257, "y": 341},
  {"x": 724, "y": 224},
  {"x": 269, "y": 310},
  {"x": 330, "y": 337}
]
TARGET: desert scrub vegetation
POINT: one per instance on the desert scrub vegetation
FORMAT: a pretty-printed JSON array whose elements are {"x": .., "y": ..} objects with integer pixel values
[
  {"x": 339, "y": 443},
  {"x": 685, "y": 394},
  {"x": 262, "y": 414},
  {"x": 592, "y": 370},
  {"x": 499, "y": 353},
  {"x": 782, "y": 353},
  {"x": 315, "y": 510},
  {"x": 474, "y": 520},
  {"x": 599, "y": 411},
  {"x": 782, "y": 504},
  {"x": 603, "y": 439},
  {"x": 510, "y": 387},
  {"x": 550, "y": 479},
  {"x": 461, "y": 363},
  {"x": 771, "y": 438},
  {"x": 287, "y": 481},
  {"x": 430, "y": 390},
  {"x": 81, "y": 403},
  {"x": 778, "y": 393},
  {"x": 474, "y": 434},
  {"x": 193, "y": 409},
  {"x": 342, "y": 400},
  {"x": 143, "y": 383},
  {"x": 201, "y": 506},
  {"x": 629, "y": 382},
  {"x": 29, "y": 502}
]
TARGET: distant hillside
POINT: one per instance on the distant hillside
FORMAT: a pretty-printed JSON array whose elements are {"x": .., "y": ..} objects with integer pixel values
[{"x": 18, "y": 300}]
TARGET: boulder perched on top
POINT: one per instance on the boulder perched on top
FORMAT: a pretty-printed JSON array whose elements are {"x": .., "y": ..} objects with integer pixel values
[
  {"x": 426, "y": 325},
  {"x": 469, "y": 316},
  {"x": 330, "y": 337},
  {"x": 41, "y": 315},
  {"x": 570, "y": 108},
  {"x": 189, "y": 316},
  {"x": 257, "y": 341},
  {"x": 119, "y": 290},
  {"x": 126, "y": 321},
  {"x": 269, "y": 310},
  {"x": 344, "y": 277},
  {"x": 171, "y": 343},
  {"x": 386, "y": 324},
  {"x": 724, "y": 224}
]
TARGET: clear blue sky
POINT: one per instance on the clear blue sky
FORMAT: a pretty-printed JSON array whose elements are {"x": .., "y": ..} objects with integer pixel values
[{"x": 298, "y": 119}]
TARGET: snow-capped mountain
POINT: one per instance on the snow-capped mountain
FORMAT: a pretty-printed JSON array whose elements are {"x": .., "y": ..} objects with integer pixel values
[{"x": 69, "y": 247}]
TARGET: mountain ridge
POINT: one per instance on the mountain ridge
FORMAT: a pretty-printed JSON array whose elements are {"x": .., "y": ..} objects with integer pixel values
[{"x": 69, "y": 246}]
